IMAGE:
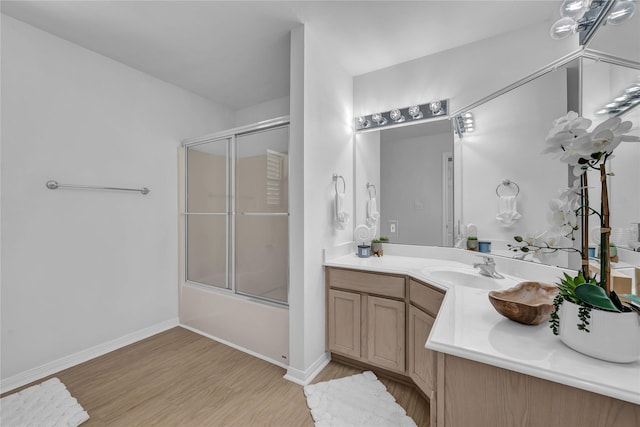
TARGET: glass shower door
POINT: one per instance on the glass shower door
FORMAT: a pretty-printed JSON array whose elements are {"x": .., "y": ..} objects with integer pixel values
[
  {"x": 207, "y": 213},
  {"x": 262, "y": 214}
]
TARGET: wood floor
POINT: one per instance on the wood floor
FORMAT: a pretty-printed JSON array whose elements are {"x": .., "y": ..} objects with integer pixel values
[{"x": 180, "y": 378}]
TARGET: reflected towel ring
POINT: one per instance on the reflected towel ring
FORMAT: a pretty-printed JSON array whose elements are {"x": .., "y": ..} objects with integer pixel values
[
  {"x": 507, "y": 183},
  {"x": 375, "y": 192},
  {"x": 344, "y": 183}
]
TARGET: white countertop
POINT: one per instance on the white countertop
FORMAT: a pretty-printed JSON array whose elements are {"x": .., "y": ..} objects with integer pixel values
[{"x": 468, "y": 326}]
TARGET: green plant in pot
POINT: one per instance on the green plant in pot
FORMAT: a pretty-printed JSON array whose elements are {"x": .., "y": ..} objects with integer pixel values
[
  {"x": 376, "y": 245},
  {"x": 588, "y": 315}
]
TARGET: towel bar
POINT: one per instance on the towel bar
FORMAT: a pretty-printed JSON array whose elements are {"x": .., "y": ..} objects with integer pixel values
[{"x": 52, "y": 185}]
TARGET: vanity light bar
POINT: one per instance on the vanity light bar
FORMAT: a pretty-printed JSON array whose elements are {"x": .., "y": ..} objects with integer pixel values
[
  {"x": 464, "y": 123},
  {"x": 628, "y": 99},
  {"x": 396, "y": 116}
]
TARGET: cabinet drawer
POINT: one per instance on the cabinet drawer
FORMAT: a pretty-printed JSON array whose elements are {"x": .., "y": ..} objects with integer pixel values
[
  {"x": 425, "y": 297},
  {"x": 370, "y": 283}
]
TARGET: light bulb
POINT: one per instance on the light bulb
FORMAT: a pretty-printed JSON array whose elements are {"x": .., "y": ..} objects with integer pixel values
[
  {"x": 574, "y": 8},
  {"x": 377, "y": 117},
  {"x": 396, "y": 116},
  {"x": 633, "y": 89},
  {"x": 363, "y": 122},
  {"x": 435, "y": 107},
  {"x": 621, "y": 12},
  {"x": 563, "y": 28},
  {"x": 415, "y": 112}
]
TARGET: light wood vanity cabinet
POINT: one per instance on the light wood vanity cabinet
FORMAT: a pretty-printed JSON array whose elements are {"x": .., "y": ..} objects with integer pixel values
[
  {"x": 344, "y": 323},
  {"x": 425, "y": 301},
  {"x": 383, "y": 320},
  {"x": 386, "y": 333},
  {"x": 422, "y": 361},
  {"x": 366, "y": 317}
]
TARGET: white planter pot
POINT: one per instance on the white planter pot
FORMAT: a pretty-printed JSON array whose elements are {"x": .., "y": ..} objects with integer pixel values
[{"x": 614, "y": 337}]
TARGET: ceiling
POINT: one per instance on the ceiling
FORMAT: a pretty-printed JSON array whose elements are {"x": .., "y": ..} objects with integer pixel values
[{"x": 236, "y": 53}]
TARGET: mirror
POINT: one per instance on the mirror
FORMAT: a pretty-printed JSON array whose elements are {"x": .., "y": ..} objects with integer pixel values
[
  {"x": 506, "y": 145},
  {"x": 616, "y": 66},
  {"x": 602, "y": 82},
  {"x": 409, "y": 172}
]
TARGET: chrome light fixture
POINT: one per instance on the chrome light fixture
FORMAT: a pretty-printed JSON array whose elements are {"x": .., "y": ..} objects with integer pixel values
[
  {"x": 583, "y": 16},
  {"x": 464, "y": 123},
  {"x": 397, "y": 116},
  {"x": 628, "y": 99}
]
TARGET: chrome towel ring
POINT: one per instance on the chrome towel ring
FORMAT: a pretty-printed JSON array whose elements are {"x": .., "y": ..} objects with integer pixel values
[{"x": 507, "y": 183}]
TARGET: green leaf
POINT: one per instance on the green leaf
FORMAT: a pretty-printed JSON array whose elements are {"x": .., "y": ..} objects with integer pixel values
[
  {"x": 595, "y": 296},
  {"x": 631, "y": 297},
  {"x": 518, "y": 238},
  {"x": 524, "y": 249}
]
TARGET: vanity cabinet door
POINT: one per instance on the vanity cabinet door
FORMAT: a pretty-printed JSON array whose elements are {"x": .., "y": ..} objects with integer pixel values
[
  {"x": 344, "y": 323},
  {"x": 386, "y": 333},
  {"x": 421, "y": 360}
]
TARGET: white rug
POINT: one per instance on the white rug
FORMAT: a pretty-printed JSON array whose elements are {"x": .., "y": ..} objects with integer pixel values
[
  {"x": 358, "y": 400},
  {"x": 43, "y": 405}
]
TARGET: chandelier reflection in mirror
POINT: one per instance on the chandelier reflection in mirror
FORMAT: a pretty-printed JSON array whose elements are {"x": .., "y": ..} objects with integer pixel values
[
  {"x": 397, "y": 116},
  {"x": 583, "y": 16}
]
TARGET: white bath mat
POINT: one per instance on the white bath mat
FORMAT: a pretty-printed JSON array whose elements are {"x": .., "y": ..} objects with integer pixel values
[
  {"x": 42, "y": 405},
  {"x": 358, "y": 400}
]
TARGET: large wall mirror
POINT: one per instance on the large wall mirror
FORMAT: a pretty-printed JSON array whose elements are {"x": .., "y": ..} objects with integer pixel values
[
  {"x": 406, "y": 166},
  {"x": 408, "y": 171}
]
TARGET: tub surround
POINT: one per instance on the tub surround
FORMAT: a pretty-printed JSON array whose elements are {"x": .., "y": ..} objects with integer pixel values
[{"x": 468, "y": 327}]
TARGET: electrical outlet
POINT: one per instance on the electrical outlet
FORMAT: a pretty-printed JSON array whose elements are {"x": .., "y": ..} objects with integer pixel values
[{"x": 392, "y": 228}]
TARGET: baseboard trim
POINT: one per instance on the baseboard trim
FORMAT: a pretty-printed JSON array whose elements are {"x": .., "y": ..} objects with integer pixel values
[
  {"x": 50, "y": 368},
  {"x": 237, "y": 347},
  {"x": 305, "y": 377}
]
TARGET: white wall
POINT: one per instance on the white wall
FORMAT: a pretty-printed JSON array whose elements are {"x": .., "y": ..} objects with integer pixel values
[
  {"x": 328, "y": 148},
  {"x": 463, "y": 75},
  {"x": 81, "y": 268}
]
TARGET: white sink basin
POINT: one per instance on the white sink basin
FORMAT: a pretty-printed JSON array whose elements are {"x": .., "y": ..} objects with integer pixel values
[{"x": 464, "y": 278}]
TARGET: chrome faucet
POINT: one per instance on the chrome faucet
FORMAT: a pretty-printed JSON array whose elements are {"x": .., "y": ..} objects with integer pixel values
[{"x": 488, "y": 267}]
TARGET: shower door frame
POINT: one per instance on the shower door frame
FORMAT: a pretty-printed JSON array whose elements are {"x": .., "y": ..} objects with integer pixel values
[{"x": 230, "y": 136}]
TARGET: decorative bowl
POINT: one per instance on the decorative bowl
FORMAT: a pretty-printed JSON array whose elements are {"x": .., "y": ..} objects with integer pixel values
[{"x": 530, "y": 303}]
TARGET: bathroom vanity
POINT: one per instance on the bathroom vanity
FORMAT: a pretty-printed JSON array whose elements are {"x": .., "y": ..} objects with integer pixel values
[{"x": 422, "y": 314}]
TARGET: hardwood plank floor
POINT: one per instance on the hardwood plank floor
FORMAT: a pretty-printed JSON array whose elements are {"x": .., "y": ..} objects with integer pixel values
[{"x": 180, "y": 378}]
